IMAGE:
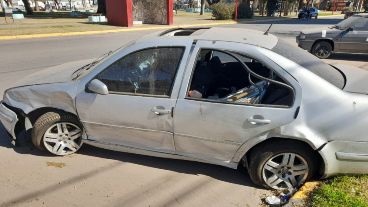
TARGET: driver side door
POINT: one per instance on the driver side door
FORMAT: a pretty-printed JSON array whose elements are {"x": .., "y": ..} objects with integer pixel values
[{"x": 137, "y": 111}]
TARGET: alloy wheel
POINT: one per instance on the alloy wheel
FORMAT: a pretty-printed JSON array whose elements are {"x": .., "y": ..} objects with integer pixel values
[
  {"x": 285, "y": 171},
  {"x": 63, "y": 138},
  {"x": 322, "y": 52}
]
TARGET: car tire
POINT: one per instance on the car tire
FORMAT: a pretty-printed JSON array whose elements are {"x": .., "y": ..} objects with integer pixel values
[
  {"x": 322, "y": 49},
  {"x": 284, "y": 175},
  {"x": 57, "y": 132}
]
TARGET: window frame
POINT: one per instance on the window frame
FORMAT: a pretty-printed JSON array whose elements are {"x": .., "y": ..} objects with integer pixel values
[
  {"x": 231, "y": 53},
  {"x": 143, "y": 94}
]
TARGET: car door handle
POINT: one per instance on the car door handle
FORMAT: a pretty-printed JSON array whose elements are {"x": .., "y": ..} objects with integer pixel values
[
  {"x": 160, "y": 110},
  {"x": 256, "y": 121}
]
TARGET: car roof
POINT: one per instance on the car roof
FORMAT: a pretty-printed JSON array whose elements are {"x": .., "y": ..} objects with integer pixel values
[
  {"x": 239, "y": 35},
  {"x": 361, "y": 15}
]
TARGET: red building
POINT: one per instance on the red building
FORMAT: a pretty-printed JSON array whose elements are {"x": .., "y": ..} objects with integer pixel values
[{"x": 123, "y": 12}]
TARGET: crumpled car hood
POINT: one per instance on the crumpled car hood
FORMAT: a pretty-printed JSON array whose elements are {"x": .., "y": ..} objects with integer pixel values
[
  {"x": 56, "y": 74},
  {"x": 356, "y": 79}
]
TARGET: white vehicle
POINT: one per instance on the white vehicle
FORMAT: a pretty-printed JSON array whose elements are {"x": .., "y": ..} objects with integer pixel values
[{"x": 223, "y": 96}]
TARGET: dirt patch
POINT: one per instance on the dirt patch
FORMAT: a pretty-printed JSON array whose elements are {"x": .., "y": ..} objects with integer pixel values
[{"x": 56, "y": 164}]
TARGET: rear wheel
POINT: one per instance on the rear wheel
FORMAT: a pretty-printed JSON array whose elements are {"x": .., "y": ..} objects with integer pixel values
[
  {"x": 58, "y": 133},
  {"x": 322, "y": 49},
  {"x": 281, "y": 165}
]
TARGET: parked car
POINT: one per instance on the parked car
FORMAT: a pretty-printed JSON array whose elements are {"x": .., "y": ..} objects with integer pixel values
[
  {"x": 349, "y": 36},
  {"x": 224, "y": 96},
  {"x": 308, "y": 13}
]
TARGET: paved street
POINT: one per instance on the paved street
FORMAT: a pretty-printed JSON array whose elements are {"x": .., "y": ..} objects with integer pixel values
[{"x": 96, "y": 177}]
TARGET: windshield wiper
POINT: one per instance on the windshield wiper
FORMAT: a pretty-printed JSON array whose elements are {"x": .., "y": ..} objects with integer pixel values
[{"x": 90, "y": 65}]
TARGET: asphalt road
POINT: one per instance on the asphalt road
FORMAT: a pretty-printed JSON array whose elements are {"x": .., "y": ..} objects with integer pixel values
[{"x": 96, "y": 177}]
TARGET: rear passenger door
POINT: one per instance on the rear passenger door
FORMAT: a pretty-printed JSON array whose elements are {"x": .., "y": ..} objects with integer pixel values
[{"x": 213, "y": 128}]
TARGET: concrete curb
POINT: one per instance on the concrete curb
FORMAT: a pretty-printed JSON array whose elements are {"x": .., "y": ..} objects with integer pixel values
[
  {"x": 16, "y": 37},
  {"x": 300, "y": 197}
]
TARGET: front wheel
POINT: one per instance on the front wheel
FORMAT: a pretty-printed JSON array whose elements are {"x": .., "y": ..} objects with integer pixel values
[
  {"x": 322, "y": 49},
  {"x": 58, "y": 133},
  {"x": 281, "y": 165}
]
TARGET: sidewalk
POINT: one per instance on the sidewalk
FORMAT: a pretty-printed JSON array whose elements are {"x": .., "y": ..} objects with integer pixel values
[{"x": 39, "y": 27}]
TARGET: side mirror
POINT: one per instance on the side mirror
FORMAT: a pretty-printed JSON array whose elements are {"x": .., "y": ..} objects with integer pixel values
[{"x": 96, "y": 86}]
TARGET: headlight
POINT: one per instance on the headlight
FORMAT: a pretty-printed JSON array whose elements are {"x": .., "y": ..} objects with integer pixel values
[{"x": 302, "y": 36}]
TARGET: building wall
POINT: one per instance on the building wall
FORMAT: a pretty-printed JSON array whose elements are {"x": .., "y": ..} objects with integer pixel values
[{"x": 150, "y": 11}]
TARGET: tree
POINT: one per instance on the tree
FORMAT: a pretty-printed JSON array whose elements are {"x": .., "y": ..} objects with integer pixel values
[
  {"x": 210, "y": 2},
  {"x": 101, "y": 7},
  {"x": 202, "y": 6},
  {"x": 271, "y": 7},
  {"x": 36, "y": 6},
  {"x": 27, "y": 6},
  {"x": 57, "y": 4},
  {"x": 8, "y": 2},
  {"x": 301, "y": 4}
]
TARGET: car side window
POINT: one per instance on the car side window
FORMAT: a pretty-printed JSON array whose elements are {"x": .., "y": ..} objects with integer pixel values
[
  {"x": 149, "y": 72},
  {"x": 222, "y": 76},
  {"x": 361, "y": 25}
]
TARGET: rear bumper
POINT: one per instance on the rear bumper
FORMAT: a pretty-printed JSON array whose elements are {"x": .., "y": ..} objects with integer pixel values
[
  {"x": 345, "y": 157},
  {"x": 9, "y": 120}
]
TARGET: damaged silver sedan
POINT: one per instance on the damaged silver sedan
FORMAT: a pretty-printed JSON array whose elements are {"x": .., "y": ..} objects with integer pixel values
[{"x": 223, "y": 96}]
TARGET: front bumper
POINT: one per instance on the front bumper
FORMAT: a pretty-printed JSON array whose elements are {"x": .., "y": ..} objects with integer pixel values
[
  {"x": 9, "y": 120},
  {"x": 305, "y": 44}
]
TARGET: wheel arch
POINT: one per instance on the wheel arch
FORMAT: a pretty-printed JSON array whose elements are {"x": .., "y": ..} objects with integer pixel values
[
  {"x": 331, "y": 42},
  {"x": 277, "y": 140},
  {"x": 26, "y": 120},
  {"x": 36, "y": 113}
]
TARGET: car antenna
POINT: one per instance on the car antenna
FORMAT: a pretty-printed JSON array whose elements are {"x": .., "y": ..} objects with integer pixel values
[{"x": 266, "y": 32}]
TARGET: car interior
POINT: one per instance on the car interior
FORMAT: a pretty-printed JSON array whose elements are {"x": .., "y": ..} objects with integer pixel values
[{"x": 228, "y": 77}]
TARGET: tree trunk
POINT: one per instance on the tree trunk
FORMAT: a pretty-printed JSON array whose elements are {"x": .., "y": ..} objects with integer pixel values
[
  {"x": 101, "y": 9},
  {"x": 8, "y": 3},
  {"x": 361, "y": 4},
  {"x": 36, "y": 6},
  {"x": 261, "y": 7},
  {"x": 27, "y": 7},
  {"x": 202, "y": 6},
  {"x": 57, "y": 4},
  {"x": 271, "y": 7},
  {"x": 286, "y": 8},
  {"x": 301, "y": 4}
]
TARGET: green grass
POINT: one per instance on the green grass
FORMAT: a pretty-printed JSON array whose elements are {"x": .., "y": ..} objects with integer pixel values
[
  {"x": 328, "y": 13},
  {"x": 344, "y": 191}
]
